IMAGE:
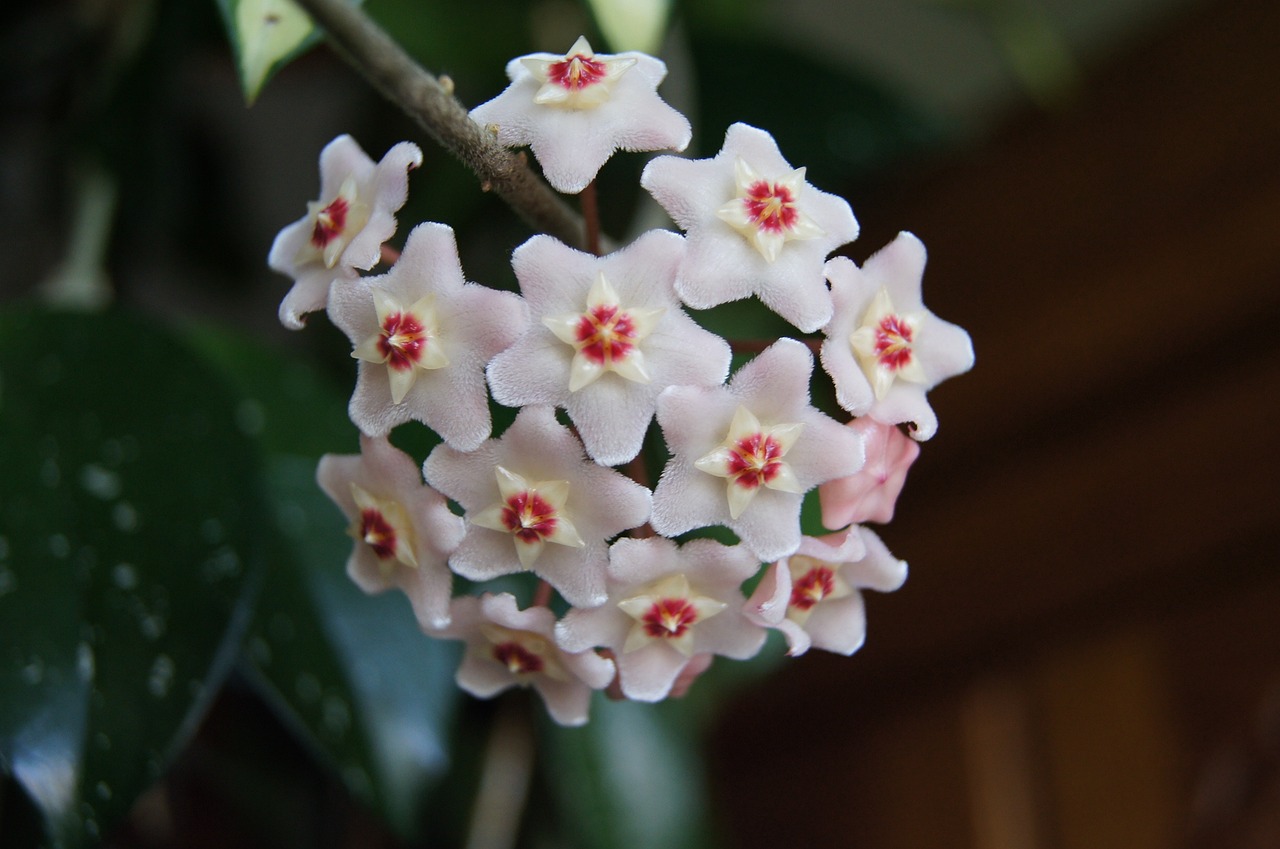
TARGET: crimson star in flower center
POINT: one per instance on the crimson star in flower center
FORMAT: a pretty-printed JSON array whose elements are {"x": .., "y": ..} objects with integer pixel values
[
  {"x": 533, "y": 513},
  {"x": 605, "y": 337},
  {"x": 751, "y": 457},
  {"x": 767, "y": 212},
  {"x": 406, "y": 341}
]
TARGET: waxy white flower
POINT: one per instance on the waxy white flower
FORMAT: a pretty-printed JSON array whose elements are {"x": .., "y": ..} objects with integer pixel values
[
  {"x": 667, "y": 607},
  {"x": 508, "y": 647},
  {"x": 744, "y": 454},
  {"x": 812, "y": 596},
  {"x": 423, "y": 336},
  {"x": 344, "y": 230},
  {"x": 403, "y": 529},
  {"x": 534, "y": 503},
  {"x": 754, "y": 227},
  {"x": 883, "y": 349},
  {"x": 607, "y": 336},
  {"x": 575, "y": 110}
]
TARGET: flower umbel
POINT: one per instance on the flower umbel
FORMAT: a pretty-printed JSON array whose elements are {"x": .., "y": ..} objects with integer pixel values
[{"x": 594, "y": 347}]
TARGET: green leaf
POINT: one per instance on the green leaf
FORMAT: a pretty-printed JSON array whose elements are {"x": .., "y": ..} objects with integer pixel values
[
  {"x": 266, "y": 35},
  {"x": 130, "y": 547},
  {"x": 371, "y": 692},
  {"x": 353, "y": 674},
  {"x": 631, "y": 777}
]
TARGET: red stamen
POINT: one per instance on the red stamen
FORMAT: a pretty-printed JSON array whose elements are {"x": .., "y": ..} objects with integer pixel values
[
  {"x": 771, "y": 205},
  {"x": 816, "y": 584},
  {"x": 753, "y": 460},
  {"x": 529, "y": 517},
  {"x": 606, "y": 333},
  {"x": 893, "y": 342},
  {"x": 577, "y": 72},
  {"x": 669, "y": 618},
  {"x": 518, "y": 659},
  {"x": 403, "y": 340},
  {"x": 330, "y": 222},
  {"x": 378, "y": 533}
]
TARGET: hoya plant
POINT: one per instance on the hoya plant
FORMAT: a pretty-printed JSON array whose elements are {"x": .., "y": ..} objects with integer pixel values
[{"x": 590, "y": 478}]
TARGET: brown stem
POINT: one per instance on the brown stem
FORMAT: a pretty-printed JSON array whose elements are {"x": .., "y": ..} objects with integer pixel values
[
  {"x": 591, "y": 216},
  {"x": 542, "y": 595},
  {"x": 402, "y": 81},
  {"x": 505, "y": 776}
]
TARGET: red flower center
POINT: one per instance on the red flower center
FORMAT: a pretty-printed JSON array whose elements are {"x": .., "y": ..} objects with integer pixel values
[
  {"x": 529, "y": 517},
  {"x": 577, "y": 72},
  {"x": 815, "y": 585},
  {"x": 771, "y": 205},
  {"x": 378, "y": 533},
  {"x": 518, "y": 659},
  {"x": 606, "y": 333},
  {"x": 669, "y": 618},
  {"x": 403, "y": 340},
  {"x": 893, "y": 342},
  {"x": 754, "y": 460},
  {"x": 330, "y": 222}
]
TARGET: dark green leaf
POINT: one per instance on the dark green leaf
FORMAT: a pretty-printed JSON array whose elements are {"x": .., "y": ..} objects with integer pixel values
[
  {"x": 353, "y": 674},
  {"x": 372, "y": 692},
  {"x": 130, "y": 518},
  {"x": 630, "y": 778}
]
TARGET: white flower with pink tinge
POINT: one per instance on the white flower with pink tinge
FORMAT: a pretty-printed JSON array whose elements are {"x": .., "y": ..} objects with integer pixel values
[
  {"x": 535, "y": 503},
  {"x": 668, "y": 609},
  {"x": 883, "y": 349},
  {"x": 575, "y": 110},
  {"x": 508, "y": 647},
  {"x": 607, "y": 336},
  {"x": 812, "y": 596},
  {"x": 754, "y": 225},
  {"x": 403, "y": 529},
  {"x": 745, "y": 454},
  {"x": 870, "y": 494},
  {"x": 423, "y": 336},
  {"x": 344, "y": 230}
]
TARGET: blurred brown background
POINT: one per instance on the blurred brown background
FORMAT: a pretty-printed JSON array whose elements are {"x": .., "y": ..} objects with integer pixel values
[{"x": 1087, "y": 652}]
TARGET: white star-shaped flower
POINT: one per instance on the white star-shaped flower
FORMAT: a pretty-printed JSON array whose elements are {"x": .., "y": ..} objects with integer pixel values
[
  {"x": 667, "y": 607},
  {"x": 607, "y": 336},
  {"x": 344, "y": 230},
  {"x": 530, "y": 487},
  {"x": 403, "y": 529},
  {"x": 884, "y": 350},
  {"x": 758, "y": 430},
  {"x": 575, "y": 110},
  {"x": 812, "y": 596},
  {"x": 754, "y": 227},
  {"x": 508, "y": 647},
  {"x": 423, "y": 336}
]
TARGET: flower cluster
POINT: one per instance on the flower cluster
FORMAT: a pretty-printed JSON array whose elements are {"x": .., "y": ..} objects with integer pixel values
[{"x": 593, "y": 351}]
